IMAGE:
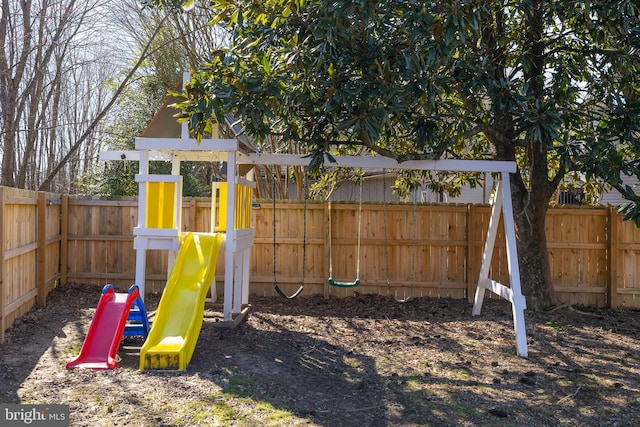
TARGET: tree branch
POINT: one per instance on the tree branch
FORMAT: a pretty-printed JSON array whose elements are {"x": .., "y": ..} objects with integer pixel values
[{"x": 45, "y": 185}]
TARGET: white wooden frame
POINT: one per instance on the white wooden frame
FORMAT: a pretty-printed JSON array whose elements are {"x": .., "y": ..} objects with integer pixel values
[
  {"x": 501, "y": 205},
  {"x": 237, "y": 244}
]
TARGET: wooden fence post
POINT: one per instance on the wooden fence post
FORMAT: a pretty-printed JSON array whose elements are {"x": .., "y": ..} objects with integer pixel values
[
  {"x": 64, "y": 238},
  {"x": 42, "y": 248},
  {"x": 327, "y": 242},
  {"x": 472, "y": 281},
  {"x": 192, "y": 215},
  {"x": 2, "y": 318},
  {"x": 612, "y": 286}
]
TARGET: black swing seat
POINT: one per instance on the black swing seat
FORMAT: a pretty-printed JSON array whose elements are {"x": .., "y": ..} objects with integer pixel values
[
  {"x": 344, "y": 284},
  {"x": 283, "y": 295}
]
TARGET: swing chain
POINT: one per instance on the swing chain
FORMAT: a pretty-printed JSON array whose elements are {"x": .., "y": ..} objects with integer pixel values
[{"x": 304, "y": 244}]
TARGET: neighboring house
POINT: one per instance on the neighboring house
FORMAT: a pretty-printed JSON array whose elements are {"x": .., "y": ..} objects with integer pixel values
[
  {"x": 373, "y": 190},
  {"x": 613, "y": 198}
]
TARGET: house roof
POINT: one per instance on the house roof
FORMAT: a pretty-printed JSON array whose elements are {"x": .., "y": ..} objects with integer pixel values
[{"x": 165, "y": 125}]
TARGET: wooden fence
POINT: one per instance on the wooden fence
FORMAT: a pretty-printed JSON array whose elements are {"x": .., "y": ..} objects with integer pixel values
[
  {"x": 405, "y": 249},
  {"x": 32, "y": 248}
]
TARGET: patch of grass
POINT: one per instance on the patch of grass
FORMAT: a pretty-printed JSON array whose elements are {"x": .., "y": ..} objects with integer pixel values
[
  {"x": 278, "y": 416},
  {"x": 547, "y": 412},
  {"x": 80, "y": 394},
  {"x": 204, "y": 412},
  {"x": 553, "y": 325},
  {"x": 106, "y": 409},
  {"x": 221, "y": 411},
  {"x": 421, "y": 403},
  {"x": 463, "y": 410},
  {"x": 353, "y": 368},
  {"x": 544, "y": 394},
  {"x": 412, "y": 384},
  {"x": 485, "y": 389},
  {"x": 352, "y": 362},
  {"x": 460, "y": 374},
  {"x": 72, "y": 351},
  {"x": 237, "y": 385}
]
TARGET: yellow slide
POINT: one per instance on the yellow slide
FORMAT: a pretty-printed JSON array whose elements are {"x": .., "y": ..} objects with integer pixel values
[{"x": 178, "y": 320}]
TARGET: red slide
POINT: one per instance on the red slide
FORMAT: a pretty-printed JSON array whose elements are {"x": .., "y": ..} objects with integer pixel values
[{"x": 105, "y": 332}]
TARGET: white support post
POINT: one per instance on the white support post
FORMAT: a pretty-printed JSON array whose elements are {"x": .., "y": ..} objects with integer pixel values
[
  {"x": 246, "y": 273},
  {"x": 246, "y": 253},
  {"x": 238, "y": 281},
  {"x": 230, "y": 247},
  {"x": 141, "y": 250},
  {"x": 518, "y": 302},
  {"x": 503, "y": 205},
  {"x": 487, "y": 253},
  {"x": 175, "y": 171},
  {"x": 184, "y": 127},
  {"x": 141, "y": 263}
]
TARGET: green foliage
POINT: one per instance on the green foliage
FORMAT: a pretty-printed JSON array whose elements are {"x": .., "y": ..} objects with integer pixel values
[{"x": 553, "y": 84}]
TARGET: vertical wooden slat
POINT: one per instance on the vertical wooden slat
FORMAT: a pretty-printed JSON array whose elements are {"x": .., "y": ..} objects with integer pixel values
[
  {"x": 2, "y": 267},
  {"x": 192, "y": 215},
  {"x": 64, "y": 238},
  {"x": 327, "y": 249},
  {"x": 471, "y": 280},
  {"x": 612, "y": 283},
  {"x": 41, "y": 252}
]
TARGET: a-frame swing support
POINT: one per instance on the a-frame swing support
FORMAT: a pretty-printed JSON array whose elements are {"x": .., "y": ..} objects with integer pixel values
[{"x": 501, "y": 205}]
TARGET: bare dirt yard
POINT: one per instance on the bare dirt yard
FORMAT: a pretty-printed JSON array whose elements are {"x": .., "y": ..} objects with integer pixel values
[{"x": 360, "y": 361}]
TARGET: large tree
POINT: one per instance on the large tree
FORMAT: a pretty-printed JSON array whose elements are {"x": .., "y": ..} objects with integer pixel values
[
  {"x": 170, "y": 43},
  {"x": 551, "y": 84}
]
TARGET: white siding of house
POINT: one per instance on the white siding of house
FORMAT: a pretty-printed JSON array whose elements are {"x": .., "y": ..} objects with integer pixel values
[
  {"x": 613, "y": 198},
  {"x": 372, "y": 190}
]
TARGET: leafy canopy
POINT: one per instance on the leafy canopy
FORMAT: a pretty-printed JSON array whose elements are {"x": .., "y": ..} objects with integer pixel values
[{"x": 553, "y": 84}]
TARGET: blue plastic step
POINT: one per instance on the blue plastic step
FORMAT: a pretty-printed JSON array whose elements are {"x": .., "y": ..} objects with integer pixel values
[
  {"x": 137, "y": 322},
  {"x": 134, "y": 330}
]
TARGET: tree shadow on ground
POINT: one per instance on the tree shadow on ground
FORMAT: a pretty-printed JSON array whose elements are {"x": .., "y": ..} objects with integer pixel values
[
  {"x": 37, "y": 334},
  {"x": 365, "y": 360}
]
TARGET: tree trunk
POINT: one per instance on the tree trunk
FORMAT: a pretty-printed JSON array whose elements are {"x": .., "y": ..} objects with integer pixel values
[
  {"x": 9, "y": 153},
  {"x": 530, "y": 210}
]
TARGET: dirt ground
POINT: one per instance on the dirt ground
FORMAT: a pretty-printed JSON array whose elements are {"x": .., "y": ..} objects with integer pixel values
[{"x": 361, "y": 361}]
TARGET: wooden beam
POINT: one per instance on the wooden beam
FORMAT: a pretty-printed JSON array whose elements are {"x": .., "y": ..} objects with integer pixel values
[
  {"x": 182, "y": 145},
  {"x": 132, "y": 155},
  {"x": 64, "y": 238},
  {"x": 612, "y": 282},
  {"x": 2, "y": 261},
  {"x": 471, "y": 281},
  {"x": 379, "y": 162},
  {"x": 41, "y": 253},
  {"x": 327, "y": 247}
]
